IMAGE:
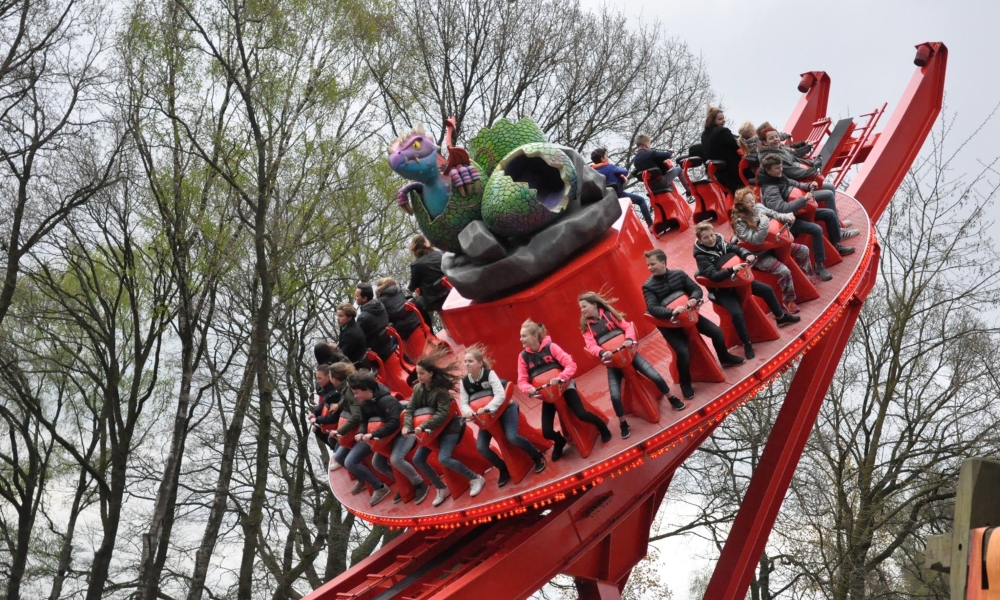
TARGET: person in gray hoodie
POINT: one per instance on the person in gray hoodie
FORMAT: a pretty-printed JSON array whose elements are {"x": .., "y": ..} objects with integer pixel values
[{"x": 776, "y": 190}]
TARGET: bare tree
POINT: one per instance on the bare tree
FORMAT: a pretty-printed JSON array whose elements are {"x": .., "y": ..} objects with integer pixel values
[
  {"x": 57, "y": 152},
  {"x": 585, "y": 77}
]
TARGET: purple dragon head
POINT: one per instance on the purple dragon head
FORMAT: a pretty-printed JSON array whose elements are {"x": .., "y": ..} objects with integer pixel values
[{"x": 414, "y": 156}]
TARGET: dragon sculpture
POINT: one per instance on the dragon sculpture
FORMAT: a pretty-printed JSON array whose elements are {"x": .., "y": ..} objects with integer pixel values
[{"x": 510, "y": 213}]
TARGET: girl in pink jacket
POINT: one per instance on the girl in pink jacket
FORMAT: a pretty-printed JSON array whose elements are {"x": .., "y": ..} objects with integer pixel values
[
  {"x": 601, "y": 322},
  {"x": 542, "y": 357}
]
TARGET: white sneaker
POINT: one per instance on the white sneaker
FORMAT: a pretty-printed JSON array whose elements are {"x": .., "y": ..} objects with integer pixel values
[
  {"x": 476, "y": 486},
  {"x": 334, "y": 465},
  {"x": 847, "y": 234},
  {"x": 442, "y": 494}
]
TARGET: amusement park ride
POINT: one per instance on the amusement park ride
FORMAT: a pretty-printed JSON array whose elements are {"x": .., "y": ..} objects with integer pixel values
[{"x": 588, "y": 515}]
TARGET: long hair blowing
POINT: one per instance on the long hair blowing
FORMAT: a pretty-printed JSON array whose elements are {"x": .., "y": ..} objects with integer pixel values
[
  {"x": 602, "y": 302},
  {"x": 441, "y": 364}
]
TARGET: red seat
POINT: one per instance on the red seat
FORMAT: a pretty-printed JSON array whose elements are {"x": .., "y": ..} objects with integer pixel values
[
  {"x": 416, "y": 345},
  {"x": 640, "y": 397},
  {"x": 761, "y": 328},
  {"x": 705, "y": 365},
  {"x": 713, "y": 202},
  {"x": 670, "y": 210},
  {"x": 518, "y": 462},
  {"x": 393, "y": 373},
  {"x": 779, "y": 240},
  {"x": 583, "y": 435},
  {"x": 465, "y": 451}
]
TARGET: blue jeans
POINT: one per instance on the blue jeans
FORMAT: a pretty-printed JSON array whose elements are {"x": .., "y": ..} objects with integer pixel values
[
  {"x": 446, "y": 445},
  {"x": 355, "y": 464},
  {"x": 508, "y": 422},
  {"x": 401, "y": 446},
  {"x": 642, "y": 204}
]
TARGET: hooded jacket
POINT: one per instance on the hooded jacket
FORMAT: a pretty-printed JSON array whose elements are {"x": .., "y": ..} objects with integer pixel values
[
  {"x": 352, "y": 343},
  {"x": 373, "y": 319},
  {"x": 426, "y": 275},
  {"x": 775, "y": 192},
  {"x": 383, "y": 405},
  {"x": 404, "y": 321},
  {"x": 438, "y": 399},
  {"x": 558, "y": 355},
  {"x": 590, "y": 340},
  {"x": 708, "y": 258}
]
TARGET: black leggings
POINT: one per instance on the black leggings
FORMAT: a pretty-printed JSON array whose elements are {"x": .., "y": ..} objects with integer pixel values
[
  {"x": 324, "y": 438},
  {"x": 730, "y": 301},
  {"x": 576, "y": 405},
  {"x": 678, "y": 341},
  {"x": 645, "y": 369}
]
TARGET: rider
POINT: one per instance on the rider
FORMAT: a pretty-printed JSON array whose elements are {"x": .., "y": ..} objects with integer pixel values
[
  {"x": 373, "y": 319},
  {"x": 426, "y": 278},
  {"x": 599, "y": 319},
  {"x": 647, "y": 159},
  {"x": 615, "y": 176},
  {"x": 751, "y": 222},
  {"x": 660, "y": 289},
  {"x": 776, "y": 190},
  {"x": 433, "y": 390},
  {"x": 481, "y": 377},
  {"x": 542, "y": 355},
  {"x": 376, "y": 401},
  {"x": 711, "y": 252}
]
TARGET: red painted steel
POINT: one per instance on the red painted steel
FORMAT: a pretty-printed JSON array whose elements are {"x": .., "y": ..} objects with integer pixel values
[
  {"x": 811, "y": 106},
  {"x": 770, "y": 480},
  {"x": 610, "y": 264},
  {"x": 903, "y": 136},
  {"x": 570, "y": 521}
]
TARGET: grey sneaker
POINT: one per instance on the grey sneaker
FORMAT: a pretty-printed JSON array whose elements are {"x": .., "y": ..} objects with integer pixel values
[
  {"x": 421, "y": 492},
  {"x": 476, "y": 486},
  {"x": 379, "y": 495},
  {"x": 358, "y": 486},
  {"x": 822, "y": 273},
  {"x": 442, "y": 494}
]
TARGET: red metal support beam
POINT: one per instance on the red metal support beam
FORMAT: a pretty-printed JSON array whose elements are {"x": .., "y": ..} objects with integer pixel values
[
  {"x": 899, "y": 143},
  {"x": 815, "y": 88},
  {"x": 770, "y": 480}
]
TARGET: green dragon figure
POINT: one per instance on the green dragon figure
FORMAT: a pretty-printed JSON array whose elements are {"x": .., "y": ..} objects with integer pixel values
[{"x": 488, "y": 210}]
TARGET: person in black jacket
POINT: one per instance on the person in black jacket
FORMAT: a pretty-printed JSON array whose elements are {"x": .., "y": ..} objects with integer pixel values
[
  {"x": 327, "y": 353},
  {"x": 352, "y": 339},
  {"x": 663, "y": 287},
  {"x": 377, "y": 402},
  {"x": 392, "y": 298},
  {"x": 373, "y": 319},
  {"x": 325, "y": 411},
  {"x": 426, "y": 278},
  {"x": 647, "y": 159},
  {"x": 711, "y": 252},
  {"x": 719, "y": 143}
]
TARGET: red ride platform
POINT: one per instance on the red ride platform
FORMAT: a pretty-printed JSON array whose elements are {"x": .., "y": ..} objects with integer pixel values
[
  {"x": 507, "y": 543},
  {"x": 615, "y": 263}
]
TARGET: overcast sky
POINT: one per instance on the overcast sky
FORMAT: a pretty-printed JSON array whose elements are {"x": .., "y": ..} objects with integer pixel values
[{"x": 755, "y": 51}]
